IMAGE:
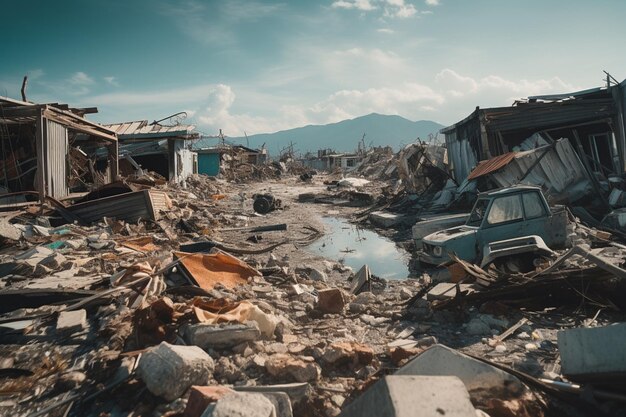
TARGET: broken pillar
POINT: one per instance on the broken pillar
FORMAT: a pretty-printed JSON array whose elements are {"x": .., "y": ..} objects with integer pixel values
[
  {"x": 593, "y": 353},
  {"x": 408, "y": 396},
  {"x": 168, "y": 370}
]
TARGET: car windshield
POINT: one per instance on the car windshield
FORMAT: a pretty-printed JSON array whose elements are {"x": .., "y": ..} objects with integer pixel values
[{"x": 478, "y": 213}]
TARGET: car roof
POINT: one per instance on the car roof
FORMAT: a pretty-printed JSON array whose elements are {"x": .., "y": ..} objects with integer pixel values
[{"x": 509, "y": 190}]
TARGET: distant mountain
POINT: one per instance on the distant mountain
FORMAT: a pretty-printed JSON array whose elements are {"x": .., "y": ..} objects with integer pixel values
[{"x": 379, "y": 129}]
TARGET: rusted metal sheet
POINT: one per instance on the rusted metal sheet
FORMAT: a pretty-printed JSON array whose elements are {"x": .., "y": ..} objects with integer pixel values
[
  {"x": 129, "y": 207},
  {"x": 55, "y": 160},
  {"x": 491, "y": 165}
]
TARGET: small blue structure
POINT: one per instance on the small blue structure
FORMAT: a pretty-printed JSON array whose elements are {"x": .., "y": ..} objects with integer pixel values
[{"x": 209, "y": 161}]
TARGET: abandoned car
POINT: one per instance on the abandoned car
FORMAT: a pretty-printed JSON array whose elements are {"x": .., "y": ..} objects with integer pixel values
[{"x": 504, "y": 222}]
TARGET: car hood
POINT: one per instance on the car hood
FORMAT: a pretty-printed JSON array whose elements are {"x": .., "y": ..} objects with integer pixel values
[{"x": 447, "y": 235}]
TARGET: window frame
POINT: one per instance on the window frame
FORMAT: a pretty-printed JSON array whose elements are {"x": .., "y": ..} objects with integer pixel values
[
  {"x": 490, "y": 225},
  {"x": 544, "y": 210}
]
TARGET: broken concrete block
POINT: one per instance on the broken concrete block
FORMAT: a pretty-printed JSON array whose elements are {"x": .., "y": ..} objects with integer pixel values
[
  {"x": 447, "y": 290},
  {"x": 408, "y": 396},
  {"x": 72, "y": 321},
  {"x": 201, "y": 397},
  {"x": 219, "y": 336},
  {"x": 331, "y": 301},
  {"x": 317, "y": 275},
  {"x": 588, "y": 353},
  {"x": 476, "y": 375},
  {"x": 168, "y": 370},
  {"x": 283, "y": 365},
  {"x": 282, "y": 403},
  {"x": 241, "y": 404},
  {"x": 385, "y": 219},
  {"x": 348, "y": 353}
]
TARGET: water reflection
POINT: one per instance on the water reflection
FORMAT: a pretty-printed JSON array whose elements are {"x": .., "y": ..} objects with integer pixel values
[{"x": 356, "y": 247}]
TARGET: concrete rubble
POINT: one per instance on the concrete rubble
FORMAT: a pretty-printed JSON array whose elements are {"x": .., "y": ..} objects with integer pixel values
[{"x": 203, "y": 306}]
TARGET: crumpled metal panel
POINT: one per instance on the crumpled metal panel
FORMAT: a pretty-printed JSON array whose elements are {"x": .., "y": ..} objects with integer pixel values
[
  {"x": 491, "y": 165},
  {"x": 560, "y": 172}
]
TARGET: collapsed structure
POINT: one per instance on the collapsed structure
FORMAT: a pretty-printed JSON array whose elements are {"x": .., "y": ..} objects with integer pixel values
[
  {"x": 173, "y": 293},
  {"x": 46, "y": 147}
]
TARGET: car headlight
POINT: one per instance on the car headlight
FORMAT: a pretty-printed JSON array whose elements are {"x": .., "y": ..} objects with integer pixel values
[{"x": 437, "y": 251}]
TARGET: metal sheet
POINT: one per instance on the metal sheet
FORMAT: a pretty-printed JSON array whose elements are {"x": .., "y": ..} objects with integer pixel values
[
  {"x": 460, "y": 156},
  {"x": 129, "y": 207},
  {"x": 491, "y": 165},
  {"x": 55, "y": 160}
]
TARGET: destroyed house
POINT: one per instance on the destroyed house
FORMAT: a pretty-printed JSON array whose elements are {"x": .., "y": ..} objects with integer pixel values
[
  {"x": 50, "y": 148},
  {"x": 328, "y": 160},
  {"x": 165, "y": 150},
  {"x": 592, "y": 120}
]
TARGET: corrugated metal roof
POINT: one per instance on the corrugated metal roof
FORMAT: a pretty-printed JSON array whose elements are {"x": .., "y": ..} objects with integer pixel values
[
  {"x": 141, "y": 129},
  {"x": 491, "y": 165}
]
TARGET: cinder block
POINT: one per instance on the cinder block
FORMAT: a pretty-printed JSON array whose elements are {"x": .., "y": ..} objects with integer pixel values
[
  {"x": 409, "y": 396},
  {"x": 589, "y": 353}
]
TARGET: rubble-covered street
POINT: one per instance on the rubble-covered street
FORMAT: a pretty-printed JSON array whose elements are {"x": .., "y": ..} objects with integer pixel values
[
  {"x": 164, "y": 317},
  {"x": 150, "y": 269}
]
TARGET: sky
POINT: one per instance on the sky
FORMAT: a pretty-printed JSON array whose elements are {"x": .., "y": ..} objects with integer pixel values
[{"x": 264, "y": 66}]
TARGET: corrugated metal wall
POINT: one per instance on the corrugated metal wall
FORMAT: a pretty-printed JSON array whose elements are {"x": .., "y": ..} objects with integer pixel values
[
  {"x": 55, "y": 156},
  {"x": 460, "y": 156}
]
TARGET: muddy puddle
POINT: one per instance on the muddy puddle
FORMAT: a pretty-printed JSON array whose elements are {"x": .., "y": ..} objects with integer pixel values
[{"x": 354, "y": 246}]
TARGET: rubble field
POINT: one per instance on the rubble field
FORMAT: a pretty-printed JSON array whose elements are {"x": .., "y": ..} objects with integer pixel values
[{"x": 212, "y": 309}]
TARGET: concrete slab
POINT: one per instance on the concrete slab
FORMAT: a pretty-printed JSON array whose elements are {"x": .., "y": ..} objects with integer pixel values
[
  {"x": 447, "y": 290},
  {"x": 590, "y": 353},
  {"x": 72, "y": 321},
  {"x": 219, "y": 336},
  {"x": 476, "y": 375},
  {"x": 408, "y": 396},
  {"x": 385, "y": 219}
]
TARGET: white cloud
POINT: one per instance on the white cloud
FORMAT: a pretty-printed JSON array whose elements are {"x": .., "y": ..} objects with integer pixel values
[
  {"x": 364, "y": 5},
  {"x": 80, "y": 78},
  {"x": 433, "y": 2},
  {"x": 400, "y": 9},
  {"x": 112, "y": 81},
  {"x": 385, "y": 30},
  {"x": 390, "y": 8}
]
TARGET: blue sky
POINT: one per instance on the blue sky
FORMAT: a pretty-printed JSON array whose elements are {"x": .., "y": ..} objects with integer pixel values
[{"x": 263, "y": 66}]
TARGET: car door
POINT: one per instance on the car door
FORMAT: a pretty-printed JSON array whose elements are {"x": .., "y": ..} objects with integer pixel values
[
  {"x": 535, "y": 214},
  {"x": 504, "y": 220}
]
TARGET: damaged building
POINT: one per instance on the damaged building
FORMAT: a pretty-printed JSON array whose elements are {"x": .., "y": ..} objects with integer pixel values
[
  {"x": 155, "y": 147},
  {"x": 50, "y": 148},
  {"x": 537, "y": 140}
]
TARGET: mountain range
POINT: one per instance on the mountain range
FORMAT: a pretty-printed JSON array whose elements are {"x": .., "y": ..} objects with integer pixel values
[{"x": 344, "y": 136}]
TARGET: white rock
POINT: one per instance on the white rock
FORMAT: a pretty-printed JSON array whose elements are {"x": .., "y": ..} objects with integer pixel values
[{"x": 169, "y": 370}]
